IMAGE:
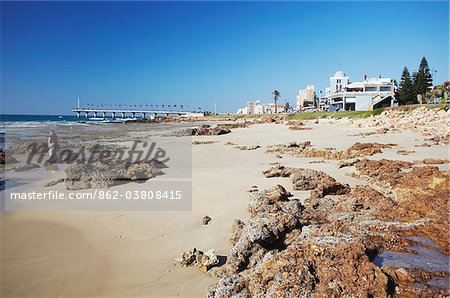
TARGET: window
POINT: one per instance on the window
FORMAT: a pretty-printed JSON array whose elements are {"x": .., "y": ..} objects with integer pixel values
[
  {"x": 371, "y": 89},
  {"x": 338, "y": 81},
  {"x": 385, "y": 88}
]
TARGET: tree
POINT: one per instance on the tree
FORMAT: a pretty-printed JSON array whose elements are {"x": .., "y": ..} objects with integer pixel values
[
  {"x": 287, "y": 107},
  {"x": 406, "y": 89},
  {"x": 422, "y": 79},
  {"x": 276, "y": 95}
]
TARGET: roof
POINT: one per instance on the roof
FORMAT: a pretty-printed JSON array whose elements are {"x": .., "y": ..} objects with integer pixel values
[{"x": 339, "y": 74}]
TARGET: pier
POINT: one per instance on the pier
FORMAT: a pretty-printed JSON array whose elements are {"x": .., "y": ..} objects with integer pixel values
[{"x": 103, "y": 113}]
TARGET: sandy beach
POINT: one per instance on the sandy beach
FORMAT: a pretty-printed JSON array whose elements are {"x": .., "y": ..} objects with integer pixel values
[{"x": 133, "y": 253}]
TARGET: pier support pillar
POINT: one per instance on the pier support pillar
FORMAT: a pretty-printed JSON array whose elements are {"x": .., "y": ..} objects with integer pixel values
[
  {"x": 78, "y": 114},
  {"x": 113, "y": 114},
  {"x": 86, "y": 114},
  {"x": 104, "y": 115},
  {"x": 143, "y": 115},
  {"x": 95, "y": 114},
  {"x": 133, "y": 114},
  {"x": 123, "y": 115}
]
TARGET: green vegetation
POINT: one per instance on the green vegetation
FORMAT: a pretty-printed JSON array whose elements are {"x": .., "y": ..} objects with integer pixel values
[
  {"x": 276, "y": 95},
  {"x": 417, "y": 84},
  {"x": 406, "y": 90},
  {"x": 337, "y": 115}
]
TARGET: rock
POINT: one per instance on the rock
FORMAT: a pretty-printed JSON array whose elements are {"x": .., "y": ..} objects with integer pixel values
[
  {"x": 405, "y": 152},
  {"x": 253, "y": 147},
  {"x": 54, "y": 182},
  {"x": 229, "y": 286},
  {"x": 206, "y": 220},
  {"x": 203, "y": 142},
  {"x": 254, "y": 188},
  {"x": 427, "y": 121},
  {"x": 236, "y": 230},
  {"x": 208, "y": 260},
  {"x": 326, "y": 248},
  {"x": 369, "y": 148},
  {"x": 320, "y": 183},
  {"x": 206, "y": 130},
  {"x": 277, "y": 171},
  {"x": 189, "y": 257},
  {"x": 180, "y": 133},
  {"x": 278, "y": 264},
  {"x": 304, "y": 150},
  {"x": 435, "y": 161},
  {"x": 398, "y": 275},
  {"x": 347, "y": 163},
  {"x": 98, "y": 175},
  {"x": 203, "y": 261},
  {"x": 26, "y": 167}
]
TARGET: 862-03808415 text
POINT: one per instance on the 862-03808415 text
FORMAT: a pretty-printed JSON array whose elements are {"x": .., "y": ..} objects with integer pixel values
[{"x": 99, "y": 195}]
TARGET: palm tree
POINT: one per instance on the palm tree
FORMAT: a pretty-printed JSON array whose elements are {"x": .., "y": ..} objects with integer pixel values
[{"x": 276, "y": 95}]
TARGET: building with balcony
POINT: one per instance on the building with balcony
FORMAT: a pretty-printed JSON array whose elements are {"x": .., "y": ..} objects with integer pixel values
[
  {"x": 306, "y": 97},
  {"x": 371, "y": 93}
]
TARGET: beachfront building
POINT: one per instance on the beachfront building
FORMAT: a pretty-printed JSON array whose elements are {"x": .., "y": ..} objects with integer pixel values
[
  {"x": 306, "y": 97},
  {"x": 371, "y": 93},
  {"x": 256, "y": 107}
]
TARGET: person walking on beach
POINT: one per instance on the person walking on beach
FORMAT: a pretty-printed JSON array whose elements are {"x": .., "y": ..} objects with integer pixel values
[{"x": 52, "y": 147}]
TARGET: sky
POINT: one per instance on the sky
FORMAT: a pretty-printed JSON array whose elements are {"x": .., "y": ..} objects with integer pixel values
[{"x": 205, "y": 53}]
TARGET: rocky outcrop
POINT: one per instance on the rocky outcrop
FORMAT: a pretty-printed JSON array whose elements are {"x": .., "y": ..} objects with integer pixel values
[
  {"x": 320, "y": 183},
  {"x": 207, "y": 130},
  {"x": 304, "y": 150},
  {"x": 99, "y": 175},
  {"x": 432, "y": 122},
  {"x": 327, "y": 247},
  {"x": 419, "y": 193},
  {"x": 279, "y": 253}
]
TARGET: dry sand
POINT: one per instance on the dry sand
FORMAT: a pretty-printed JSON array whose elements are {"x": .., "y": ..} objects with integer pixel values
[{"x": 99, "y": 254}]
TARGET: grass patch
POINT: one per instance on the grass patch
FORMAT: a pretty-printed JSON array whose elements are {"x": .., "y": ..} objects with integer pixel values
[{"x": 337, "y": 115}]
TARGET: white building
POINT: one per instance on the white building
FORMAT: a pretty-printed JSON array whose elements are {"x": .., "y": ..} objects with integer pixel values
[
  {"x": 305, "y": 97},
  {"x": 360, "y": 96},
  {"x": 256, "y": 107}
]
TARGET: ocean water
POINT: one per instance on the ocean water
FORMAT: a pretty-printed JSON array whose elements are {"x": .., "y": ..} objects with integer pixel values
[
  {"x": 38, "y": 118},
  {"x": 9, "y": 123}
]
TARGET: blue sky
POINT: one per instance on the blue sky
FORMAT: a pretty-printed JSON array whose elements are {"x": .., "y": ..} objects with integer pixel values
[{"x": 201, "y": 53}]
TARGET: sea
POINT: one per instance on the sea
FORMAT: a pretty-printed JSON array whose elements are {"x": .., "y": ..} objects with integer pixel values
[
  {"x": 27, "y": 124},
  {"x": 10, "y": 122}
]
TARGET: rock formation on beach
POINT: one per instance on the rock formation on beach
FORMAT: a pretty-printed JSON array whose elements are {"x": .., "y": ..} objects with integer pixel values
[
  {"x": 432, "y": 122},
  {"x": 304, "y": 150},
  {"x": 334, "y": 243},
  {"x": 320, "y": 183},
  {"x": 100, "y": 175}
]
